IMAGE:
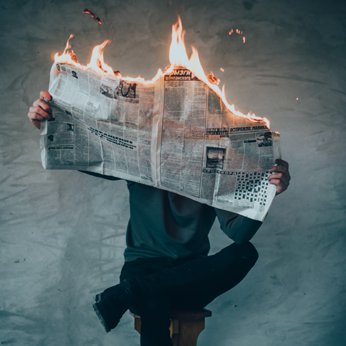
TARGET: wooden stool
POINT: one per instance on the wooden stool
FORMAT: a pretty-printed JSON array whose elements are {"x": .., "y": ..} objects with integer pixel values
[{"x": 185, "y": 327}]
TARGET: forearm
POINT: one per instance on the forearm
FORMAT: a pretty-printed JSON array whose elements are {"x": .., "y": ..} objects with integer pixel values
[{"x": 239, "y": 228}]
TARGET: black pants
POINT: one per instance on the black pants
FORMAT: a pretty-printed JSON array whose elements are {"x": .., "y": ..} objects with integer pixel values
[{"x": 161, "y": 284}]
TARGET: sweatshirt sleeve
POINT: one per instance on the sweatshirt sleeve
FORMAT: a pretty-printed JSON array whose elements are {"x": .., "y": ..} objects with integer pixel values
[{"x": 239, "y": 228}]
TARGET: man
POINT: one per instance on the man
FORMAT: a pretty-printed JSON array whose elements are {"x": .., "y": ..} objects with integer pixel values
[{"x": 166, "y": 258}]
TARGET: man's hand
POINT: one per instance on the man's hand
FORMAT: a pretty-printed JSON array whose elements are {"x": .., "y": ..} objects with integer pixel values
[
  {"x": 280, "y": 176},
  {"x": 40, "y": 109}
]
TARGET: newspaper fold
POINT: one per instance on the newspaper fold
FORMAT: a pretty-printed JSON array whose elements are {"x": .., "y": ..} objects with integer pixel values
[{"x": 175, "y": 135}]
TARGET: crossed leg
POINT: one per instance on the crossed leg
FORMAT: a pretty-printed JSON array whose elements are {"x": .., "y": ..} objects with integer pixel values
[{"x": 160, "y": 284}]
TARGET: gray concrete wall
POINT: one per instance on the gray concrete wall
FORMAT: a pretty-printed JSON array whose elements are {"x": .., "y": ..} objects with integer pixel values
[{"x": 62, "y": 233}]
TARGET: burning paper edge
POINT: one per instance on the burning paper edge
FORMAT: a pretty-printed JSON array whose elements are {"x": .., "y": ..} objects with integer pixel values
[{"x": 178, "y": 57}]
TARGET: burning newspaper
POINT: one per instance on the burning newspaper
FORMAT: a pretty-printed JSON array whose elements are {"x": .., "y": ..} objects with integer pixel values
[{"x": 174, "y": 133}]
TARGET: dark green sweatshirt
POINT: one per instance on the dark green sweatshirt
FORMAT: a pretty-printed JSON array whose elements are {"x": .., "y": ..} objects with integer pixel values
[{"x": 164, "y": 224}]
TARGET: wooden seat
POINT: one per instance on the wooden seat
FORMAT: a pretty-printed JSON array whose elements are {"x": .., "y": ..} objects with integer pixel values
[{"x": 185, "y": 326}]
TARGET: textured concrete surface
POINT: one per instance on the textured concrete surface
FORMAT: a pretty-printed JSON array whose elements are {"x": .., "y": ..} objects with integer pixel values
[{"x": 62, "y": 233}]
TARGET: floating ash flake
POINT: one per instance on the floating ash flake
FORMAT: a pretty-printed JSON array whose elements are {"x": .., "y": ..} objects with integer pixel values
[
  {"x": 92, "y": 15},
  {"x": 237, "y": 32}
]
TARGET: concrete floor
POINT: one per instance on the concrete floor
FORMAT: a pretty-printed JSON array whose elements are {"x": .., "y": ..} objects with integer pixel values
[{"x": 62, "y": 233}]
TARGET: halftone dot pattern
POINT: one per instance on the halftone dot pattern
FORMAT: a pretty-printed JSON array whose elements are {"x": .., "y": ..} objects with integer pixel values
[{"x": 252, "y": 186}]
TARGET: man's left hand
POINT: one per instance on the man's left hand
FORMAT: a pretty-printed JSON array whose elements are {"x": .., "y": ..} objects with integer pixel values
[{"x": 280, "y": 176}]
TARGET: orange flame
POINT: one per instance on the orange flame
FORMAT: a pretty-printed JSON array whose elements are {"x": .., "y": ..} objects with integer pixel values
[
  {"x": 97, "y": 62},
  {"x": 177, "y": 56},
  {"x": 68, "y": 56}
]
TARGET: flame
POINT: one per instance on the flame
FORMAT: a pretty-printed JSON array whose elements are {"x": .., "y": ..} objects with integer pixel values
[
  {"x": 68, "y": 56},
  {"x": 178, "y": 57},
  {"x": 97, "y": 62}
]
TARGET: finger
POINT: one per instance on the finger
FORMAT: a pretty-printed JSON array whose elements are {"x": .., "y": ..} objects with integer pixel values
[
  {"x": 284, "y": 178},
  {"x": 36, "y": 123},
  {"x": 281, "y": 162},
  {"x": 275, "y": 175},
  {"x": 32, "y": 115},
  {"x": 35, "y": 116},
  {"x": 278, "y": 169},
  {"x": 280, "y": 175},
  {"x": 280, "y": 185},
  {"x": 280, "y": 189},
  {"x": 43, "y": 104},
  {"x": 282, "y": 170},
  {"x": 38, "y": 113},
  {"x": 45, "y": 95}
]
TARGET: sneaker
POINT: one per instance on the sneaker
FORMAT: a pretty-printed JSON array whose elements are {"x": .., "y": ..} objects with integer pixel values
[{"x": 111, "y": 304}]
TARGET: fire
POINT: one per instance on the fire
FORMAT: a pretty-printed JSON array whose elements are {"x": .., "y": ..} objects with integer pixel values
[
  {"x": 178, "y": 57},
  {"x": 97, "y": 62},
  {"x": 237, "y": 32},
  {"x": 68, "y": 56}
]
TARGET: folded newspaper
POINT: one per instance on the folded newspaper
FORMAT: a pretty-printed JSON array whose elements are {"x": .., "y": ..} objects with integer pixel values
[{"x": 175, "y": 134}]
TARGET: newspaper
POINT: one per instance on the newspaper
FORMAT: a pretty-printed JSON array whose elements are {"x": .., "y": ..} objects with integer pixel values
[{"x": 175, "y": 135}]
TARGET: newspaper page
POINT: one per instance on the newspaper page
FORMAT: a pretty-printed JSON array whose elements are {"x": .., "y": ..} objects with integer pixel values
[{"x": 175, "y": 134}]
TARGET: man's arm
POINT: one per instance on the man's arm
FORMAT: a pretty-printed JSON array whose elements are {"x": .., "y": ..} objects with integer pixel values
[{"x": 240, "y": 228}]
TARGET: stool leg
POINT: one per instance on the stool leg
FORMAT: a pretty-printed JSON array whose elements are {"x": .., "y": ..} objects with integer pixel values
[
  {"x": 137, "y": 324},
  {"x": 183, "y": 332},
  {"x": 188, "y": 333}
]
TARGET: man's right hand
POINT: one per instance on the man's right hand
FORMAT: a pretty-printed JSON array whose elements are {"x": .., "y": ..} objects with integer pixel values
[{"x": 40, "y": 109}]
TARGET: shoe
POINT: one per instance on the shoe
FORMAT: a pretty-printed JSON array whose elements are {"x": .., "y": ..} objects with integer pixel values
[{"x": 111, "y": 304}]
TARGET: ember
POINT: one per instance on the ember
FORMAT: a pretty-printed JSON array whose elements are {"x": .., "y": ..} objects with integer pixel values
[
  {"x": 237, "y": 32},
  {"x": 92, "y": 15},
  {"x": 212, "y": 79}
]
